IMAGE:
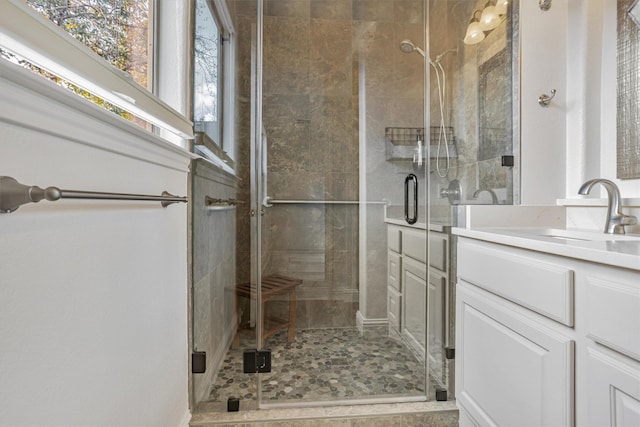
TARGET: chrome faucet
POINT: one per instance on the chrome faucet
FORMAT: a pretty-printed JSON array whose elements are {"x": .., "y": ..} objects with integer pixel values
[
  {"x": 616, "y": 220},
  {"x": 494, "y": 197}
]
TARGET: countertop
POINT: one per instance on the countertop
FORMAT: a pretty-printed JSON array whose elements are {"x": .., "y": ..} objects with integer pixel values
[
  {"x": 434, "y": 226},
  {"x": 395, "y": 215},
  {"x": 624, "y": 252}
]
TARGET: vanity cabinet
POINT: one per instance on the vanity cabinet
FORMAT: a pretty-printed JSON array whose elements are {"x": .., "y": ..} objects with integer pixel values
[
  {"x": 409, "y": 281},
  {"x": 612, "y": 347},
  {"x": 514, "y": 367},
  {"x": 545, "y": 339}
]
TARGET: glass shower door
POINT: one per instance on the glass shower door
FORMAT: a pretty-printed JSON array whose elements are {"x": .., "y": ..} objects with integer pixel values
[{"x": 342, "y": 117}]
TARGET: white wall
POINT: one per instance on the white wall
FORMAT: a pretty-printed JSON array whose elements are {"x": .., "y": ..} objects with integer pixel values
[
  {"x": 543, "y": 130},
  {"x": 572, "y": 48},
  {"x": 93, "y": 294}
]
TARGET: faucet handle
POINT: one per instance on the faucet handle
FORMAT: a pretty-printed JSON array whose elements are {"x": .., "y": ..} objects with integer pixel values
[{"x": 629, "y": 220}]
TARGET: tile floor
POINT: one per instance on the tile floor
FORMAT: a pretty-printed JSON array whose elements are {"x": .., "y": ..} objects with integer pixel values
[{"x": 326, "y": 365}]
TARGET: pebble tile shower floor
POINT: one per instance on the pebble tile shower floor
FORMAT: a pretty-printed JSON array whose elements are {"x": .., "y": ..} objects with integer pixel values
[{"x": 326, "y": 364}]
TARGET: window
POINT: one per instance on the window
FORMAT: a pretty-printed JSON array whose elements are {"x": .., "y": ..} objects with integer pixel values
[
  {"x": 213, "y": 82},
  {"x": 119, "y": 31},
  {"x": 207, "y": 91}
]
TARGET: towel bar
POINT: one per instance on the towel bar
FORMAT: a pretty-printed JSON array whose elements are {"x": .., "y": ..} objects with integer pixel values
[{"x": 13, "y": 195}]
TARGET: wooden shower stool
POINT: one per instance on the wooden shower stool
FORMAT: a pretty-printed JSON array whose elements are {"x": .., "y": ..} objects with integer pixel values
[{"x": 272, "y": 286}]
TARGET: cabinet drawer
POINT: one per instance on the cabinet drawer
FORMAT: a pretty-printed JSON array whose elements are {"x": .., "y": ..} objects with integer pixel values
[
  {"x": 394, "y": 305},
  {"x": 393, "y": 271},
  {"x": 414, "y": 244},
  {"x": 614, "y": 313},
  {"x": 512, "y": 370},
  {"x": 438, "y": 251},
  {"x": 394, "y": 237},
  {"x": 519, "y": 276}
]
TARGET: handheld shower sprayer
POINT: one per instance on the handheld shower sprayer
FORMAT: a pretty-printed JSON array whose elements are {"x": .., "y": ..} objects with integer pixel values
[
  {"x": 407, "y": 46},
  {"x": 418, "y": 155},
  {"x": 443, "y": 54}
]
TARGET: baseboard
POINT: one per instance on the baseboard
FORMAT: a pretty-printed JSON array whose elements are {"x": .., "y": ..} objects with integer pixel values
[
  {"x": 186, "y": 418},
  {"x": 363, "y": 322}
]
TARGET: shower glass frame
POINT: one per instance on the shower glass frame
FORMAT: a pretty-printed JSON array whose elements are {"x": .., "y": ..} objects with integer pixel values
[{"x": 264, "y": 205}]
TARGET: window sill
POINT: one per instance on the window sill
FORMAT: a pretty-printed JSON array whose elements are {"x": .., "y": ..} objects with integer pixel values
[
  {"x": 213, "y": 153},
  {"x": 31, "y": 101}
]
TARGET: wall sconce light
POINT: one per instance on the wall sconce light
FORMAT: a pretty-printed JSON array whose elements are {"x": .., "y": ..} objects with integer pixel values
[
  {"x": 501, "y": 7},
  {"x": 485, "y": 21},
  {"x": 490, "y": 18},
  {"x": 474, "y": 32}
]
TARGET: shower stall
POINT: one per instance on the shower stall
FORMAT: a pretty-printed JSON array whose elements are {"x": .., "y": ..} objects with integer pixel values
[{"x": 345, "y": 271}]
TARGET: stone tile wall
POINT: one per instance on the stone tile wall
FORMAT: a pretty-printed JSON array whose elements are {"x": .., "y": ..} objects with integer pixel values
[
  {"x": 324, "y": 64},
  {"x": 213, "y": 270}
]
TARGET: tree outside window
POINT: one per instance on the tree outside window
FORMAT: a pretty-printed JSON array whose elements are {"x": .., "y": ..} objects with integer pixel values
[{"x": 207, "y": 75}]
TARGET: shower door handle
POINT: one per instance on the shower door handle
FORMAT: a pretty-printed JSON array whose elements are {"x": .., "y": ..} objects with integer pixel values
[{"x": 411, "y": 220}]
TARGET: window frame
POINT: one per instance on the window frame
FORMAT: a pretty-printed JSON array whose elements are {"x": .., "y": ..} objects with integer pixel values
[
  {"x": 222, "y": 153},
  {"x": 32, "y": 36}
]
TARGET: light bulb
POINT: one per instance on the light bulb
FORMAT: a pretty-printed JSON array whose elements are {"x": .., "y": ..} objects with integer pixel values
[
  {"x": 474, "y": 33},
  {"x": 489, "y": 19},
  {"x": 501, "y": 7}
]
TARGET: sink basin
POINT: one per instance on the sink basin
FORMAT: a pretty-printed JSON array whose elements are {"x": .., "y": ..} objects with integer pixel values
[{"x": 576, "y": 235}]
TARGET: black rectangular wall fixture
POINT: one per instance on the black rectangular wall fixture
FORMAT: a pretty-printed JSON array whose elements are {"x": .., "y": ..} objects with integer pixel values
[
  {"x": 508, "y": 161},
  {"x": 198, "y": 362}
]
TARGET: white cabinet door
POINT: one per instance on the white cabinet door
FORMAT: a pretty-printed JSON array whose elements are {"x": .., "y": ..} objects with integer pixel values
[
  {"x": 613, "y": 389},
  {"x": 393, "y": 271},
  {"x": 511, "y": 370},
  {"x": 414, "y": 298},
  {"x": 436, "y": 313},
  {"x": 394, "y": 301}
]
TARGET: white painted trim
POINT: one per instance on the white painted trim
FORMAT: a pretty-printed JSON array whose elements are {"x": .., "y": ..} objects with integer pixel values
[
  {"x": 362, "y": 322},
  {"x": 229, "y": 96},
  {"x": 31, "y": 36},
  {"x": 30, "y": 101},
  {"x": 224, "y": 15}
]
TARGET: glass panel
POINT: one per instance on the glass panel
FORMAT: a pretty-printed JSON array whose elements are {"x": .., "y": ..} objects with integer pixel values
[
  {"x": 225, "y": 250},
  {"x": 334, "y": 84},
  {"x": 358, "y": 303},
  {"x": 207, "y": 105},
  {"x": 482, "y": 136},
  {"x": 474, "y": 144}
]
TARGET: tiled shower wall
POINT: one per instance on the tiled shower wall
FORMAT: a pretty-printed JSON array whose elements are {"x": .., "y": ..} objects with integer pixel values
[
  {"x": 213, "y": 263},
  {"x": 333, "y": 79}
]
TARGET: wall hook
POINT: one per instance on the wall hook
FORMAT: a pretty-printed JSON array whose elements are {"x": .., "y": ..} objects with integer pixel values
[
  {"x": 544, "y": 5},
  {"x": 544, "y": 100}
]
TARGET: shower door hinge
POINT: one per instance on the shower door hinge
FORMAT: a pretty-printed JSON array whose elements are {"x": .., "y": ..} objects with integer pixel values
[
  {"x": 450, "y": 353},
  {"x": 256, "y": 361},
  {"x": 198, "y": 362},
  {"x": 441, "y": 394}
]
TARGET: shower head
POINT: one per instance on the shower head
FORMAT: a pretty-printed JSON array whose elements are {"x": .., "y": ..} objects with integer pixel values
[{"x": 407, "y": 46}]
